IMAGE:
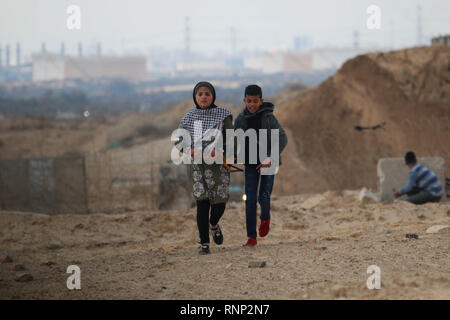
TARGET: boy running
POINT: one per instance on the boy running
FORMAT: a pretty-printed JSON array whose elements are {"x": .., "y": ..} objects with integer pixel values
[{"x": 258, "y": 115}]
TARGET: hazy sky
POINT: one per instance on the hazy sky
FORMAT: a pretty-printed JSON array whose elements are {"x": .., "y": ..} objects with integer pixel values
[{"x": 260, "y": 24}]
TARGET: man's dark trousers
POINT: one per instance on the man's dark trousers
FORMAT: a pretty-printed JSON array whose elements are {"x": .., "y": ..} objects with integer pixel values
[{"x": 419, "y": 196}]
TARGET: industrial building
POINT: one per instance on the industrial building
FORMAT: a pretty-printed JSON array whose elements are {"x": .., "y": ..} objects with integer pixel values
[
  {"x": 56, "y": 67},
  {"x": 445, "y": 40},
  {"x": 306, "y": 61}
]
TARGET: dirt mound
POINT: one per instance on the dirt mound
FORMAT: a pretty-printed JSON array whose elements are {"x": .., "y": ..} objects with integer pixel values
[{"x": 409, "y": 90}]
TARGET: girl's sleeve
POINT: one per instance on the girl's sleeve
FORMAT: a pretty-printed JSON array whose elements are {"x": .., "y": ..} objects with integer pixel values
[{"x": 179, "y": 143}]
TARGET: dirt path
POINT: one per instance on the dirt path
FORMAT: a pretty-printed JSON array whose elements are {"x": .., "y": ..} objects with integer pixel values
[{"x": 319, "y": 247}]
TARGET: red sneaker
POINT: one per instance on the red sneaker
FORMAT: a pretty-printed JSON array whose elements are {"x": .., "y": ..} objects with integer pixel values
[
  {"x": 264, "y": 228},
  {"x": 251, "y": 242}
]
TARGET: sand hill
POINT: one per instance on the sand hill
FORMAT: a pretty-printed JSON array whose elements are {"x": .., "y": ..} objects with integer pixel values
[{"x": 408, "y": 89}]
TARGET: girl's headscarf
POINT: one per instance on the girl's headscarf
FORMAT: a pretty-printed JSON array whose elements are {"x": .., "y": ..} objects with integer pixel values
[
  {"x": 209, "y": 118},
  {"x": 210, "y": 87}
]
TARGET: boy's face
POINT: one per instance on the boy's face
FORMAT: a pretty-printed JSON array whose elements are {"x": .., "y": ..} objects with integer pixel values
[
  {"x": 253, "y": 103},
  {"x": 204, "y": 97}
]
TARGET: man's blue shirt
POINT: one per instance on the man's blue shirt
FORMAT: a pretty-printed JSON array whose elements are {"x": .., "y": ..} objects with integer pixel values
[{"x": 424, "y": 179}]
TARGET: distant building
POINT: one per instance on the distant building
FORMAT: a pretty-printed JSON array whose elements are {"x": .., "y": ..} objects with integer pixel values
[
  {"x": 297, "y": 62},
  {"x": 202, "y": 66},
  {"x": 445, "y": 40},
  {"x": 54, "y": 67},
  {"x": 306, "y": 61},
  {"x": 287, "y": 62},
  {"x": 334, "y": 58},
  {"x": 302, "y": 43}
]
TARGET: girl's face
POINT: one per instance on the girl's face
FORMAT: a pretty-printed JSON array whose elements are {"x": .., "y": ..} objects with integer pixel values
[{"x": 203, "y": 97}]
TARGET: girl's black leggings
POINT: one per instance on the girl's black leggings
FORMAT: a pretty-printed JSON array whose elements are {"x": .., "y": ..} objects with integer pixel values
[{"x": 204, "y": 218}]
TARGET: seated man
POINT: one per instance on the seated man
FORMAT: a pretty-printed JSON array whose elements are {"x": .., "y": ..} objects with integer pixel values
[{"x": 423, "y": 186}]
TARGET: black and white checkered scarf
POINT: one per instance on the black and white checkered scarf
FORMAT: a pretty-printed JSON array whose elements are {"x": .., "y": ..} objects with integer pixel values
[{"x": 211, "y": 118}]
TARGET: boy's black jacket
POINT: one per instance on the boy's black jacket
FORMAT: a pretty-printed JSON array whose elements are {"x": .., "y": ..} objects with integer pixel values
[{"x": 268, "y": 121}]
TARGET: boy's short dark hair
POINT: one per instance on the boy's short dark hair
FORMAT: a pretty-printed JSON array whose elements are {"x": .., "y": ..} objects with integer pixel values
[
  {"x": 410, "y": 157},
  {"x": 253, "y": 90}
]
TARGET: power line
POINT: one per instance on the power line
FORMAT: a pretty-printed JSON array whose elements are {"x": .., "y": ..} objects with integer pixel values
[
  {"x": 419, "y": 25},
  {"x": 187, "y": 37}
]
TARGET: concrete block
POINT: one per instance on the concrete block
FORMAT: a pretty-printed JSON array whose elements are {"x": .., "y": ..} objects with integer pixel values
[
  {"x": 393, "y": 174},
  {"x": 174, "y": 187}
]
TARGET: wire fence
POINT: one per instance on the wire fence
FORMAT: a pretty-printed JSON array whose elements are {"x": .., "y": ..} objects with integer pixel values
[{"x": 94, "y": 183}]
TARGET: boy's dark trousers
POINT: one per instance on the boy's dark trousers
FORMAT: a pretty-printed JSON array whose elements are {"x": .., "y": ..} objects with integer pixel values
[
  {"x": 252, "y": 178},
  {"x": 419, "y": 196}
]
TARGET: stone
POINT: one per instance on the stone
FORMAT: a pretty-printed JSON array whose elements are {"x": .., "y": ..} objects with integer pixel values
[
  {"x": 257, "y": 264},
  {"x": 366, "y": 196},
  {"x": 25, "y": 278},
  {"x": 393, "y": 174},
  {"x": 437, "y": 228},
  {"x": 383, "y": 230},
  {"x": 312, "y": 202},
  {"x": 19, "y": 267},
  {"x": 54, "y": 246}
]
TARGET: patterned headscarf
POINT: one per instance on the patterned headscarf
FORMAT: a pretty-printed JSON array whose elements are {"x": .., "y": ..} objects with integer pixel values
[{"x": 210, "y": 87}]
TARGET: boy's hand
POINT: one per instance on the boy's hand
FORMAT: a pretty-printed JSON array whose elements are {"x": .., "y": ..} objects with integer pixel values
[
  {"x": 396, "y": 194},
  {"x": 265, "y": 164},
  {"x": 230, "y": 160}
]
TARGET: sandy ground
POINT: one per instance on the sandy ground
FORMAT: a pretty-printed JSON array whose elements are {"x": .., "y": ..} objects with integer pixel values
[{"x": 319, "y": 247}]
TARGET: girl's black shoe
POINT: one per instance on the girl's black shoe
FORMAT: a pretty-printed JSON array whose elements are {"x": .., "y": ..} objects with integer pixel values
[
  {"x": 216, "y": 234},
  {"x": 204, "y": 249}
]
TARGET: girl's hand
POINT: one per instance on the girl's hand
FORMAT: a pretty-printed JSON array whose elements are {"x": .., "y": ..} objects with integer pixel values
[
  {"x": 196, "y": 155},
  {"x": 211, "y": 156}
]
